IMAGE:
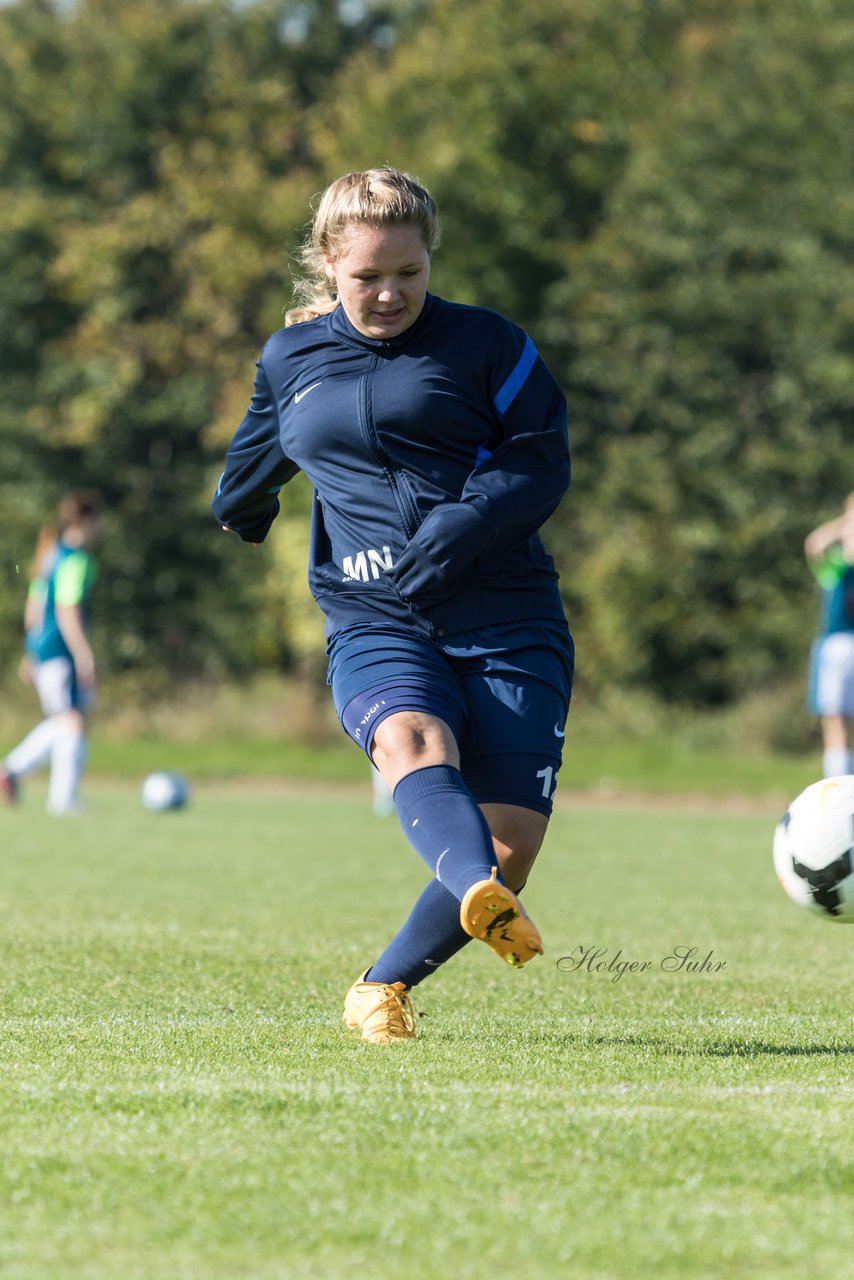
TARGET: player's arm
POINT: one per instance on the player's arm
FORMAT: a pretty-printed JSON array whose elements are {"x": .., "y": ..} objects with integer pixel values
[
  {"x": 246, "y": 500},
  {"x": 509, "y": 496},
  {"x": 69, "y": 619},
  {"x": 33, "y": 619},
  {"x": 827, "y": 535},
  {"x": 34, "y": 607}
]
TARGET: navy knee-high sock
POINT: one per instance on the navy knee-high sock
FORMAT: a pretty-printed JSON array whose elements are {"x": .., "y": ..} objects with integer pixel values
[
  {"x": 442, "y": 822},
  {"x": 430, "y": 936}
]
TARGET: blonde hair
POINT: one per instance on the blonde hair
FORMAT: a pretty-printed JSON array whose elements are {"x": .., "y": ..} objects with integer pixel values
[{"x": 380, "y": 197}]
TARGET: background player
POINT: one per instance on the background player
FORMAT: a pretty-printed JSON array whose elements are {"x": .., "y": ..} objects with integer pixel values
[
  {"x": 58, "y": 657},
  {"x": 830, "y": 552}
]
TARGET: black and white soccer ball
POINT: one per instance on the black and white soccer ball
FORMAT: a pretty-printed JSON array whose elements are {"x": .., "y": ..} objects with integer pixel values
[
  {"x": 814, "y": 849},
  {"x": 164, "y": 791}
]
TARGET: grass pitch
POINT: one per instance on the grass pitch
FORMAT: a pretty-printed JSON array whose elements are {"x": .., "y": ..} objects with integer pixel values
[{"x": 178, "y": 1098}]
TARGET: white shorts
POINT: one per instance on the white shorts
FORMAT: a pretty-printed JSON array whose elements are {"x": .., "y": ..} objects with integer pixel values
[
  {"x": 833, "y": 660},
  {"x": 57, "y": 687}
]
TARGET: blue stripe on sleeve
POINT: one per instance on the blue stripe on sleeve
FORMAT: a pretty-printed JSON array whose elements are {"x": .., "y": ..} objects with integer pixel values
[{"x": 516, "y": 381}]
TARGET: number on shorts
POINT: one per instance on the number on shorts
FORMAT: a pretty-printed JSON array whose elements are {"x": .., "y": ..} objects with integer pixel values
[{"x": 549, "y": 776}]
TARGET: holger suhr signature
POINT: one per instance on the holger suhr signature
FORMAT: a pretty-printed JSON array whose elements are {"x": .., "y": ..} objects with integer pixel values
[{"x": 682, "y": 959}]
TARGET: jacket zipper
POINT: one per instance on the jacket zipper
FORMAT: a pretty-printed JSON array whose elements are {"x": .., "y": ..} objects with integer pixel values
[{"x": 405, "y": 508}]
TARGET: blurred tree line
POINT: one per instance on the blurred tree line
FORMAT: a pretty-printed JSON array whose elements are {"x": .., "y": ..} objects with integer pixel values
[{"x": 660, "y": 191}]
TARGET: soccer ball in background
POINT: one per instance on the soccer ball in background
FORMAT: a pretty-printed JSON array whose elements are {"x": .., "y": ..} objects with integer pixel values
[
  {"x": 814, "y": 849},
  {"x": 164, "y": 791}
]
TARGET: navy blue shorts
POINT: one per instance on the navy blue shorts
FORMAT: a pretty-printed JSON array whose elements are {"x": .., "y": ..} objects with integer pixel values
[{"x": 503, "y": 690}]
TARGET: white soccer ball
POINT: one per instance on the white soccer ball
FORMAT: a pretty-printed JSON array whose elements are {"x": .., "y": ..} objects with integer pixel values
[
  {"x": 814, "y": 849},
  {"x": 163, "y": 791}
]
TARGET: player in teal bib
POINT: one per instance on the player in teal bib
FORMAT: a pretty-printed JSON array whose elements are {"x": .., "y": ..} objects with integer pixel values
[
  {"x": 830, "y": 552},
  {"x": 65, "y": 581},
  {"x": 58, "y": 656}
]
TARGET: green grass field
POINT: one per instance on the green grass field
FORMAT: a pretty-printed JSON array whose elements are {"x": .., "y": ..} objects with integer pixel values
[
  {"x": 657, "y": 766},
  {"x": 178, "y": 1099}
]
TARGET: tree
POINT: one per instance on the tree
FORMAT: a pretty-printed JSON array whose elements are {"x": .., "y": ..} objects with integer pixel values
[
  {"x": 517, "y": 117},
  {"x": 154, "y": 175},
  {"x": 711, "y": 319},
  {"x": 659, "y": 192}
]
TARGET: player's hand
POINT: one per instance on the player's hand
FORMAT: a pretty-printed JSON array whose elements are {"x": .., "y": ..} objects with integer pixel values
[
  {"x": 84, "y": 669},
  {"x": 227, "y": 529}
]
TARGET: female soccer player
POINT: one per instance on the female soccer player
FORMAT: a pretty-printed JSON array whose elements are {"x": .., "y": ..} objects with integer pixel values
[
  {"x": 58, "y": 655},
  {"x": 436, "y": 441}
]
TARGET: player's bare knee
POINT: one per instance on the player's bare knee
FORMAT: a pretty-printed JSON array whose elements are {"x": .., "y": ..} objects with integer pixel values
[{"x": 411, "y": 740}]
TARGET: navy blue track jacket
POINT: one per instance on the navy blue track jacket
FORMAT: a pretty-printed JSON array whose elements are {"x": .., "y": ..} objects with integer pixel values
[{"x": 435, "y": 458}]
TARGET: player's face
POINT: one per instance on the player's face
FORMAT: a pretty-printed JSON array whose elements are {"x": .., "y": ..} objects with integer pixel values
[{"x": 381, "y": 275}]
